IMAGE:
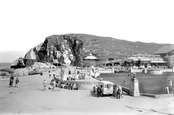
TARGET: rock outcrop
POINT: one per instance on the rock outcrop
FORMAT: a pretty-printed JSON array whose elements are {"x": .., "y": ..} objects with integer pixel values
[
  {"x": 62, "y": 49},
  {"x": 19, "y": 63}
]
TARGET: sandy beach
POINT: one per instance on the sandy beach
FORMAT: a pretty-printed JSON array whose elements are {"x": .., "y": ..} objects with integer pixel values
[{"x": 30, "y": 98}]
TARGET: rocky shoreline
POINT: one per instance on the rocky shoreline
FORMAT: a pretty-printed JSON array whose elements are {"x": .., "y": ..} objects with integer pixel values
[{"x": 36, "y": 68}]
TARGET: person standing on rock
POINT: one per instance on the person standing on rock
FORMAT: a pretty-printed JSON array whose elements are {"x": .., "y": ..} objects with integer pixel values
[
  {"x": 44, "y": 84},
  {"x": 16, "y": 81}
]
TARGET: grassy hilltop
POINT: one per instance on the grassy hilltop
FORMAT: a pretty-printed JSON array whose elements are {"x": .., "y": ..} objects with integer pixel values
[{"x": 107, "y": 47}]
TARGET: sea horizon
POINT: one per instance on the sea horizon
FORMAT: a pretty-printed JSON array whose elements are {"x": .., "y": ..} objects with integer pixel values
[{"x": 4, "y": 65}]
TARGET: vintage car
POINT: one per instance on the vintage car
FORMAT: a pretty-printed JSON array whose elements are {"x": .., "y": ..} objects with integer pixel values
[{"x": 106, "y": 87}]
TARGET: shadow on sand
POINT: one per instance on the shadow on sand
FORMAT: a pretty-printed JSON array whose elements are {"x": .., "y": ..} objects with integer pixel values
[{"x": 92, "y": 94}]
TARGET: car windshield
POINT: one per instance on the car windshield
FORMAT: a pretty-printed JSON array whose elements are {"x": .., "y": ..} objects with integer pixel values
[{"x": 108, "y": 86}]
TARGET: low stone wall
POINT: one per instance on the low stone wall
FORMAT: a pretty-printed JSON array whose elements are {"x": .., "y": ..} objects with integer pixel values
[
  {"x": 157, "y": 96},
  {"x": 156, "y": 72},
  {"x": 106, "y": 71},
  {"x": 167, "y": 70},
  {"x": 136, "y": 70}
]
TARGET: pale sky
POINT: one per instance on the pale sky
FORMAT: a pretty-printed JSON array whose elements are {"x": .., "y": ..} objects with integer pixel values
[{"x": 26, "y": 23}]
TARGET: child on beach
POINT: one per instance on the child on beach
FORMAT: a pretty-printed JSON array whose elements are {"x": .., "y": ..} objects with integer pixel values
[{"x": 44, "y": 84}]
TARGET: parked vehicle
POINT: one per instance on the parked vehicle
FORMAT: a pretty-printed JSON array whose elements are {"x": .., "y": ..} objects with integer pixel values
[{"x": 106, "y": 87}]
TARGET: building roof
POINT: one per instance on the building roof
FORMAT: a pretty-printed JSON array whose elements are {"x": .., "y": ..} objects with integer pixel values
[
  {"x": 165, "y": 49},
  {"x": 90, "y": 57},
  {"x": 139, "y": 58},
  {"x": 152, "y": 58},
  {"x": 106, "y": 82}
]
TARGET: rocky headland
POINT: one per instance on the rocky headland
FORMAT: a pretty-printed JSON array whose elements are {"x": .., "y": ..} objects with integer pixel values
[{"x": 71, "y": 49}]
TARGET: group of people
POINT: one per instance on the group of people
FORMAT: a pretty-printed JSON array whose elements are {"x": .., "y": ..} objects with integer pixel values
[
  {"x": 57, "y": 82},
  {"x": 98, "y": 90},
  {"x": 53, "y": 81},
  {"x": 117, "y": 91},
  {"x": 13, "y": 79},
  {"x": 70, "y": 86}
]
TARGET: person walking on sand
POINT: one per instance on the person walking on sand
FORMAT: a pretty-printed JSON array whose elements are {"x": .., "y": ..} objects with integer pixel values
[
  {"x": 11, "y": 81},
  {"x": 44, "y": 84},
  {"x": 49, "y": 74},
  {"x": 16, "y": 81}
]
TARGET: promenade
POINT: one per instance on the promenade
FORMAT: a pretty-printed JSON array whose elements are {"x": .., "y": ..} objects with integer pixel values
[{"x": 30, "y": 98}]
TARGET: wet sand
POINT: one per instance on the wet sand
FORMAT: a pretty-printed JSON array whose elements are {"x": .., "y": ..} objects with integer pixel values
[{"x": 30, "y": 98}]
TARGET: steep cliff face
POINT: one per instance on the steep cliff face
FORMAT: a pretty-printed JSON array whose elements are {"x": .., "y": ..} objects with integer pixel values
[
  {"x": 32, "y": 53},
  {"x": 64, "y": 49}
]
